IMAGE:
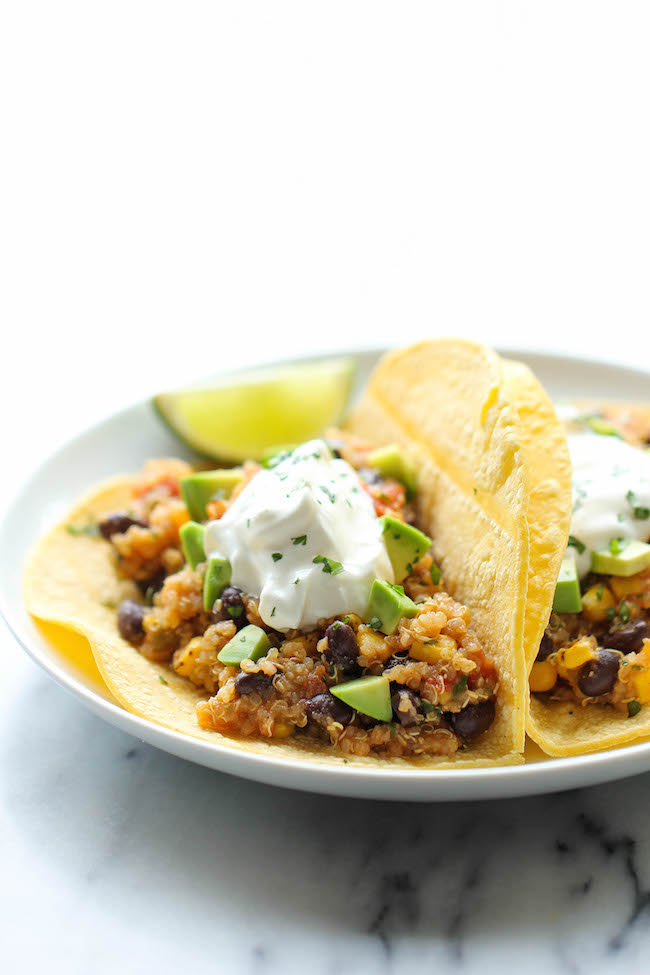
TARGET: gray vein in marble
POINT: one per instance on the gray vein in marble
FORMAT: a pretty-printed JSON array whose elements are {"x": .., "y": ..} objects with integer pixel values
[{"x": 157, "y": 858}]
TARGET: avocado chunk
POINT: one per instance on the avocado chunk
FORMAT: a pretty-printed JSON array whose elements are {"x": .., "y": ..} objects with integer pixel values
[
  {"x": 369, "y": 695},
  {"x": 191, "y": 536},
  {"x": 215, "y": 580},
  {"x": 204, "y": 486},
  {"x": 387, "y": 605},
  {"x": 404, "y": 544},
  {"x": 630, "y": 556},
  {"x": 567, "y": 590},
  {"x": 251, "y": 643},
  {"x": 390, "y": 462}
]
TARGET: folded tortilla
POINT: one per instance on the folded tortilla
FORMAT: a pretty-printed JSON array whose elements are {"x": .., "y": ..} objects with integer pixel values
[
  {"x": 447, "y": 404},
  {"x": 563, "y": 728}
]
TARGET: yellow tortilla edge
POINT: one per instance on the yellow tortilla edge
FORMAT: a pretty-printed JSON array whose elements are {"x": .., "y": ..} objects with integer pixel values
[
  {"x": 564, "y": 728},
  {"x": 445, "y": 403}
]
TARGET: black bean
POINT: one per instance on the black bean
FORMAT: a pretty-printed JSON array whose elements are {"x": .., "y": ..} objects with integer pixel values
[
  {"x": 336, "y": 445},
  {"x": 326, "y": 707},
  {"x": 546, "y": 647},
  {"x": 253, "y": 683},
  {"x": 628, "y": 639},
  {"x": 118, "y": 523},
  {"x": 472, "y": 720},
  {"x": 129, "y": 621},
  {"x": 598, "y": 676},
  {"x": 152, "y": 584},
  {"x": 395, "y": 662},
  {"x": 342, "y": 647},
  {"x": 405, "y": 706},
  {"x": 232, "y": 606}
]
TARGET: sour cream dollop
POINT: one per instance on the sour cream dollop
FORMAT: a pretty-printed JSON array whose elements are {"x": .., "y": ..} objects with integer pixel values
[
  {"x": 309, "y": 507},
  {"x": 611, "y": 493}
]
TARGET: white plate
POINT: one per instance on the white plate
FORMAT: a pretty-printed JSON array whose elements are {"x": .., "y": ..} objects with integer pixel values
[{"x": 122, "y": 443}]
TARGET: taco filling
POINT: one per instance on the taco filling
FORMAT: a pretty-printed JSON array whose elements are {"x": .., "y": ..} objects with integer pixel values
[
  {"x": 301, "y": 597},
  {"x": 596, "y": 648}
]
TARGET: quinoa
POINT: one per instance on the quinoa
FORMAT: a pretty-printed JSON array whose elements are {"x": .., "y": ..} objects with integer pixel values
[{"x": 434, "y": 663}]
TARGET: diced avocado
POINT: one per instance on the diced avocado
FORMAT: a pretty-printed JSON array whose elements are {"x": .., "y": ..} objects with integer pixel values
[
  {"x": 251, "y": 643},
  {"x": 387, "y": 605},
  {"x": 599, "y": 425},
  {"x": 197, "y": 489},
  {"x": 390, "y": 462},
  {"x": 631, "y": 557},
  {"x": 404, "y": 544},
  {"x": 191, "y": 535},
  {"x": 567, "y": 590},
  {"x": 215, "y": 580},
  {"x": 369, "y": 695}
]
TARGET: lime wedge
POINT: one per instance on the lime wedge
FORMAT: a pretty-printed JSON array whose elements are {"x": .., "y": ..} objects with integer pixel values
[{"x": 245, "y": 419}]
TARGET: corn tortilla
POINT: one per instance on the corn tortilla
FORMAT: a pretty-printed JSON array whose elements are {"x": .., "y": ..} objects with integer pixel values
[
  {"x": 564, "y": 728},
  {"x": 446, "y": 403}
]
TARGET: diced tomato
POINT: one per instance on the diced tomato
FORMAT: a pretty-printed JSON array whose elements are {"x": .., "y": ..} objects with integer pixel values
[{"x": 389, "y": 497}]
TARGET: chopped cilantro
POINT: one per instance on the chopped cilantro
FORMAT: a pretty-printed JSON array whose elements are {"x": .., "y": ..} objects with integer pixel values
[
  {"x": 460, "y": 685},
  {"x": 273, "y": 611},
  {"x": 299, "y": 540},
  {"x": 276, "y": 459},
  {"x": 633, "y": 707},
  {"x": 577, "y": 544},
  {"x": 475, "y": 491},
  {"x": 162, "y": 679},
  {"x": 235, "y": 611},
  {"x": 434, "y": 572},
  {"x": 328, "y": 494},
  {"x": 600, "y": 591},
  {"x": 611, "y": 613},
  {"x": 624, "y": 612},
  {"x": 640, "y": 512},
  {"x": 330, "y": 566},
  {"x": 88, "y": 529},
  {"x": 296, "y": 581},
  {"x": 428, "y": 708},
  {"x": 375, "y": 622},
  {"x": 276, "y": 556}
]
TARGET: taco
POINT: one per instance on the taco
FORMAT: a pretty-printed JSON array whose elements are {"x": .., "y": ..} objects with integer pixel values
[
  {"x": 590, "y": 671},
  {"x": 361, "y": 597}
]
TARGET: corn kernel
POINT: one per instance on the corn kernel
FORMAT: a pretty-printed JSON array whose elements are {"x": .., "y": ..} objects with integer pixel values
[
  {"x": 433, "y": 650},
  {"x": 542, "y": 676},
  {"x": 640, "y": 682},
  {"x": 183, "y": 660},
  {"x": 282, "y": 729},
  {"x": 596, "y": 601},
  {"x": 372, "y": 645},
  {"x": 576, "y": 655},
  {"x": 632, "y": 586}
]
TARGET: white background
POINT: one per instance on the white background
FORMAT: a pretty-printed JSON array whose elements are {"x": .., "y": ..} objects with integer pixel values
[
  {"x": 185, "y": 185},
  {"x": 188, "y": 185}
]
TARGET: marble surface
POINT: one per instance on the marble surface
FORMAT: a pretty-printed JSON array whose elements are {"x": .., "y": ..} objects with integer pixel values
[{"x": 118, "y": 857}]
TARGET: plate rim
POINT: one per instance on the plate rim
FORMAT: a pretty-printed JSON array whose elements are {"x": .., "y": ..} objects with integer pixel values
[{"x": 541, "y": 776}]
